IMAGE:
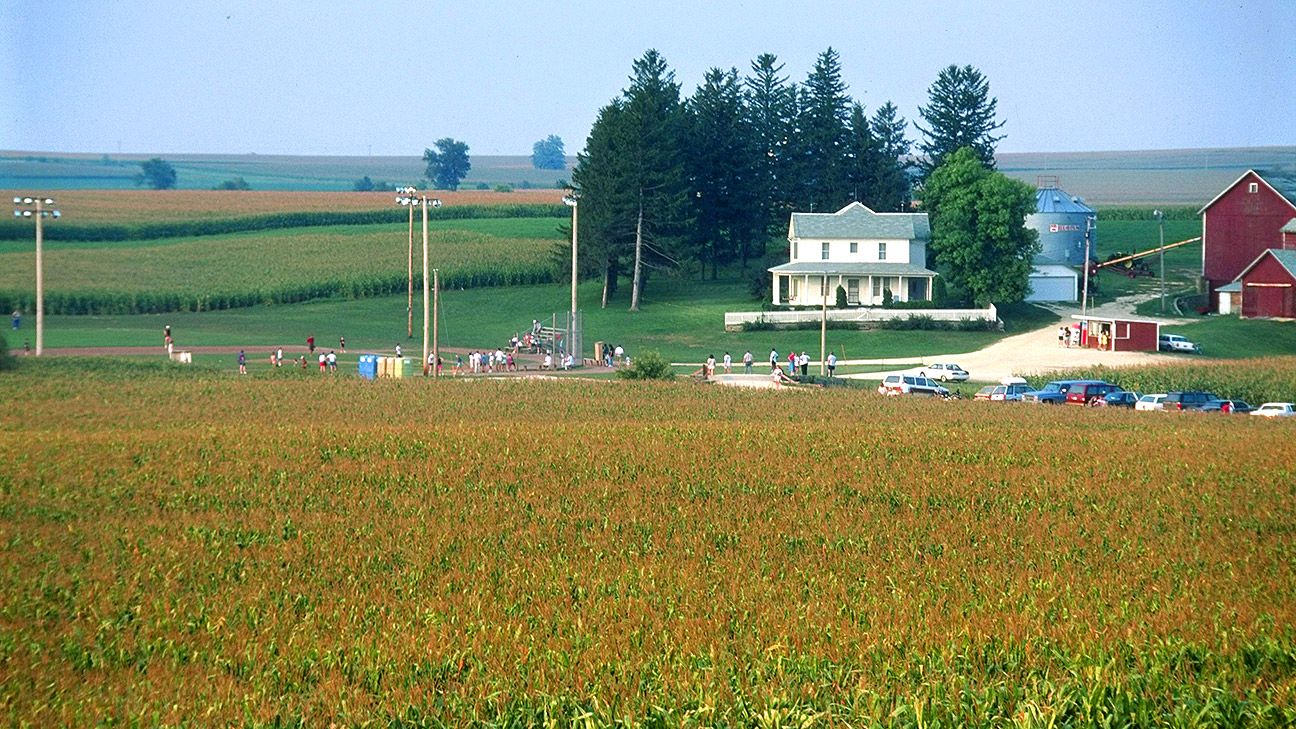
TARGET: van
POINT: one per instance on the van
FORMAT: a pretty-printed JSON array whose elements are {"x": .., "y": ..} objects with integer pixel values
[{"x": 910, "y": 385}]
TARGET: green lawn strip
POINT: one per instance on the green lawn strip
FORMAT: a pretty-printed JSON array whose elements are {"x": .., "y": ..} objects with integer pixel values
[
  {"x": 1230, "y": 337},
  {"x": 683, "y": 320}
]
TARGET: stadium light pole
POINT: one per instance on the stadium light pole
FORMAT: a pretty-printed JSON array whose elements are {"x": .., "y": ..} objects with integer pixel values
[
  {"x": 23, "y": 209},
  {"x": 572, "y": 201},
  {"x": 407, "y": 192},
  {"x": 1160, "y": 216},
  {"x": 409, "y": 197}
]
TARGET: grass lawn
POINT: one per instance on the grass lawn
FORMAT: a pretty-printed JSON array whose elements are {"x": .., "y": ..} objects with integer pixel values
[
  {"x": 1229, "y": 337},
  {"x": 1183, "y": 264},
  {"x": 681, "y": 319}
]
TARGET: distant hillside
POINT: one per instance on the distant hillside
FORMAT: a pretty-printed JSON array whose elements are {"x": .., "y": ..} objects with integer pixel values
[{"x": 1155, "y": 177}]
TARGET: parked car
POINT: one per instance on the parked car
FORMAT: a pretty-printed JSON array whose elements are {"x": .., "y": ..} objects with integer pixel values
[
  {"x": 984, "y": 393},
  {"x": 1187, "y": 400},
  {"x": 1227, "y": 406},
  {"x": 1150, "y": 401},
  {"x": 1176, "y": 343},
  {"x": 1055, "y": 392},
  {"x": 1087, "y": 393},
  {"x": 1010, "y": 389},
  {"x": 911, "y": 385},
  {"x": 1119, "y": 399},
  {"x": 944, "y": 371},
  {"x": 1275, "y": 410}
]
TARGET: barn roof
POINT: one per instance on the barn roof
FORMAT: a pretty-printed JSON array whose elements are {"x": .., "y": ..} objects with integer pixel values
[
  {"x": 857, "y": 221},
  {"x": 1056, "y": 200},
  {"x": 1290, "y": 227},
  {"x": 1281, "y": 181}
]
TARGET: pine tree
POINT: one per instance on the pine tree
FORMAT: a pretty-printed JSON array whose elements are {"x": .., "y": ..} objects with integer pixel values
[
  {"x": 890, "y": 188},
  {"x": 821, "y": 137},
  {"x": 606, "y": 203},
  {"x": 771, "y": 109},
  {"x": 960, "y": 113},
  {"x": 720, "y": 172},
  {"x": 863, "y": 157}
]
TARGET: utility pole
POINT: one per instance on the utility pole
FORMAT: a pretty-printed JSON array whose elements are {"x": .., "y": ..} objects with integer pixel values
[{"x": 1160, "y": 216}]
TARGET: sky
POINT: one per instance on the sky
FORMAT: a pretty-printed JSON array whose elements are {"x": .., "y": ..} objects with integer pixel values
[{"x": 340, "y": 77}]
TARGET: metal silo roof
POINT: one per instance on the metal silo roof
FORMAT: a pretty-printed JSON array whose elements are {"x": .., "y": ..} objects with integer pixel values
[{"x": 1056, "y": 200}]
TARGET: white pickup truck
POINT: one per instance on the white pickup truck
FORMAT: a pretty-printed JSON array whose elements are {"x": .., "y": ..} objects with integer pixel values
[{"x": 1176, "y": 343}]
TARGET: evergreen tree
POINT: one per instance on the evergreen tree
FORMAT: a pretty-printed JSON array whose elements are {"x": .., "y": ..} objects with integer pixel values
[
  {"x": 821, "y": 138},
  {"x": 863, "y": 158},
  {"x": 771, "y": 109},
  {"x": 720, "y": 171},
  {"x": 979, "y": 236},
  {"x": 890, "y": 187},
  {"x": 960, "y": 113},
  {"x": 606, "y": 204}
]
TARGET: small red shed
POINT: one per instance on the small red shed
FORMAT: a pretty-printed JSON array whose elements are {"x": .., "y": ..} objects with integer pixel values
[
  {"x": 1242, "y": 222},
  {"x": 1118, "y": 335},
  {"x": 1269, "y": 285}
]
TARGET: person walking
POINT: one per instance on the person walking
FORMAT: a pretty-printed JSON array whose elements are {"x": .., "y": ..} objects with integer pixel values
[
  {"x": 709, "y": 367},
  {"x": 242, "y": 360},
  {"x": 804, "y": 361},
  {"x": 398, "y": 350},
  {"x": 832, "y": 364},
  {"x": 774, "y": 358},
  {"x": 310, "y": 343},
  {"x": 332, "y": 362},
  {"x": 279, "y": 357},
  {"x": 747, "y": 362},
  {"x": 17, "y": 319},
  {"x": 342, "y": 343},
  {"x": 728, "y": 363},
  {"x": 323, "y": 362}
]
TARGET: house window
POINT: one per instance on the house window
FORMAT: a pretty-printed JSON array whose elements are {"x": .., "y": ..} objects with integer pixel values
[
  {"x": 1253, "y": 187},
  {"x": 794, "y": 250},
  {"x": 824, "y": 253},
  {"x": 852, "y": 290},
  {"x": 881, "y": 251},
  {"x": 877, "y": 288},
  {"x": 854, "y": 247}
]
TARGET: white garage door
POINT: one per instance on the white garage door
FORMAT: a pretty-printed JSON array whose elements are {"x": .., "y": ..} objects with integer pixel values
[{"x": 1052, "y": 288}]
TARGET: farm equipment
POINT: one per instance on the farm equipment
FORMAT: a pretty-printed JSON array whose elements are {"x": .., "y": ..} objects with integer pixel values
[{"x": 1132, "y": 264}]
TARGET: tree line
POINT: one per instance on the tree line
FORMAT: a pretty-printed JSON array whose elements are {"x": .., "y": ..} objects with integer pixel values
[{"x": 708, "y": 179}]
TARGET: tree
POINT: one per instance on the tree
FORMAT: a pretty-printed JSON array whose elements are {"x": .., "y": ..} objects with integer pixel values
[
  {"x": 890, "y": 186},
  {"x": 157, "y": 174},
  {"x": 548, "y": 154},
  {"x": 979, "y": 236},
  {"x": 863, "y": 158},
  {"x": 238, "y": 183},
  {"x": 448, "y": 165},
  {"x": 720, "y": 172},
  {"x": 960, "y": 113},
  {"x": 771, "y": 109},
  {"x": 821, "y": 140}
]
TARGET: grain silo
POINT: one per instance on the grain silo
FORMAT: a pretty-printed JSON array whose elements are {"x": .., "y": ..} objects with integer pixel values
[{"x": 1061, "y": 221}]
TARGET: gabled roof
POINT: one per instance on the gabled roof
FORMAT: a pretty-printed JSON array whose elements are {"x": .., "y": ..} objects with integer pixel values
[
  {"x": 857, "y": 221},
  {"x": 1056, "y": 200},
  {"x": 1280, "y": 181},
  {"x": 1290, "y": 227},
  {"x": 1233, "y": 288},
  {"x": 1285, "y": 257}
]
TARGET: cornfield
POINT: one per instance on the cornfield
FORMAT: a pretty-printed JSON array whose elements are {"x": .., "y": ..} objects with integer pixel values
[{"x": 189, "y": 547}]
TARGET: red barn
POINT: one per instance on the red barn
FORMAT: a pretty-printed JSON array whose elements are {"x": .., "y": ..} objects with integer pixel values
[
  {"x": 1242, "y": 222},
  {"x": 1269, "y": 285}
]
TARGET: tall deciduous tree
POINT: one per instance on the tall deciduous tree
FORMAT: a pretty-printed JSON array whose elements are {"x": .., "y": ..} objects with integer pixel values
[
  {"x": 719, "y": 170},
  {"x": 157, "y": 173},
  {"x": 979, "y": 237},
  {"x": 821, "y": 137},
  {"x": 548, "y": 154},
  {"x": 890, "y": 189},
  {"x": 960, "y": 113},
  {"x": 448, "y": 164},
  {"x": 771, "y": 109}
]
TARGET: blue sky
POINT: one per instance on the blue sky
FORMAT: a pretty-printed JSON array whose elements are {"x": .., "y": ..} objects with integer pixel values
[{"x": 353, "y": 78}]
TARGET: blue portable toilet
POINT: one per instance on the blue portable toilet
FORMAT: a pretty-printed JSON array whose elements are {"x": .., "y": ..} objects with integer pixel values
[{"x": 368, "y": 366}]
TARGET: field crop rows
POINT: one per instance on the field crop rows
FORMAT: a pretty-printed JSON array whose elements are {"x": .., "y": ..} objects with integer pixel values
[
  {"x": 189, "y": 547},
  {"x": 280, "y": 266}
]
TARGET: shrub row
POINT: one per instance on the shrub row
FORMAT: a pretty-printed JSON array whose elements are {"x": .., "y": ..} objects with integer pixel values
[{"x": 22, "y": 230}]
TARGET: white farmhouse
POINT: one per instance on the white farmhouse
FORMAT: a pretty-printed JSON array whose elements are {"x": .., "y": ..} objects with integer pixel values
[{"x": 864, "y": 252}]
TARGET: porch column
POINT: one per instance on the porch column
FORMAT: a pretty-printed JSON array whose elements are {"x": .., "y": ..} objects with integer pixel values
[{"x": 775, "y": 293}]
